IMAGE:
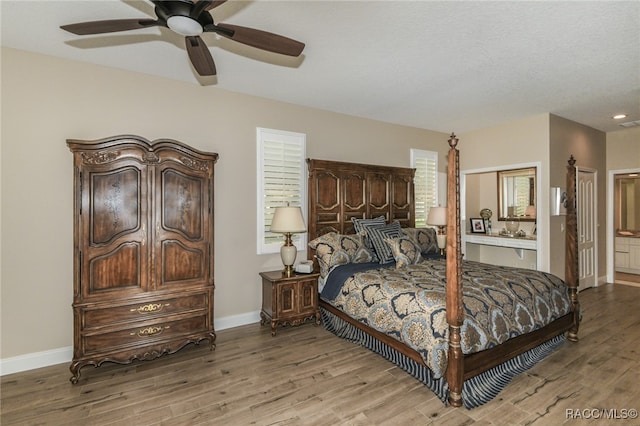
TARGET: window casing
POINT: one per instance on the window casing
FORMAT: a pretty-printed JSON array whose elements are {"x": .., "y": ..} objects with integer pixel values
[
  {"x": 281, "y": 181},
  {"x": 425, "y": 183}
]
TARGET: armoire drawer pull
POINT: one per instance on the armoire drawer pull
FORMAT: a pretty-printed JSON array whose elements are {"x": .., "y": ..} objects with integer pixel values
[
  {"x": 150, "y": 331},
  {"x": 150, "y": 307}
]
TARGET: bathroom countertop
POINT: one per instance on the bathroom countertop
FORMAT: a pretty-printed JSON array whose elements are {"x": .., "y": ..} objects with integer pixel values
[{"x": 628, "y": 234}]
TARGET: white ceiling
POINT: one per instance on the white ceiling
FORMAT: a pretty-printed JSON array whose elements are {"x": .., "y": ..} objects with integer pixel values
[{"x": 445, "y": 66}]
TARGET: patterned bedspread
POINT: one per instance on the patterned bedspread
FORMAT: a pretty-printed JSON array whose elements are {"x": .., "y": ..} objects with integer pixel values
[{"x": 409, "y": 304}]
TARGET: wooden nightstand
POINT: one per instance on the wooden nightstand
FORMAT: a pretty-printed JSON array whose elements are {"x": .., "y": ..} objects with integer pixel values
[{"x": 289, "y": 300}]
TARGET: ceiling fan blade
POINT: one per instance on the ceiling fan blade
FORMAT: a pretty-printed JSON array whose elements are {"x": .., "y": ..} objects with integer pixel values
[
  {"x": 199, "y": 7},
  {"x": 109, "y": 26},
  {"x": 214, "y": 4},
  {"x": 200, "y": 56},
  {"x": 257, "y": 38}
]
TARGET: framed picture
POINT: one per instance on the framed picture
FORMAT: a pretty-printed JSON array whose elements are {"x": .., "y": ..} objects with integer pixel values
[{"x": 477, "y": 225}]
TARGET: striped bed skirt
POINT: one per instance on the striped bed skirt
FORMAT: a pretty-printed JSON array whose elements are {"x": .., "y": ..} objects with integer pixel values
[{"x": 476, "y": 391}]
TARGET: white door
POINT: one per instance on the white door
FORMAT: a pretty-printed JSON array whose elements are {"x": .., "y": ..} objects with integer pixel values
[{"x": 587, "y": 228}]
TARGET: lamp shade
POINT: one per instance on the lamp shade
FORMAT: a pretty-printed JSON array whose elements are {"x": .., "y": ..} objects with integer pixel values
[
  {"x": 530, "y": 211},
  {"x": 437, "y": 216},
  {"x": 288, "y": 219}
]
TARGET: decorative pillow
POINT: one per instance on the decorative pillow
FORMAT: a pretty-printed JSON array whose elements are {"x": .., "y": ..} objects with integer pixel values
[
  {"x": 405, "y": 250},
  {"x": 378, "y": 235},
  {"x": 425, "y": 238},
  {"x": 335, "y": 249},
  {"x": 361, "y": 225}
]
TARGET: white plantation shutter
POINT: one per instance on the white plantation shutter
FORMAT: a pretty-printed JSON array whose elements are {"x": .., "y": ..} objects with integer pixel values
[
  {"x": 281, "y": 182},
  {"x": 521, "y": 196},
  {"x": 425, "y": 183}
]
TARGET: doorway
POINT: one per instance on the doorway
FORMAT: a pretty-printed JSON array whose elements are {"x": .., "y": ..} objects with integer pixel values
[
  {"x": 587, "y": 228},
  {"x": 626, "y": 223},
  {"x": 614, "y": 226}
]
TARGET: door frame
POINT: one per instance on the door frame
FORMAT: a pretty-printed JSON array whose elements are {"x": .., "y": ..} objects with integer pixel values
[
  {"x": 611, "y": 252},
  {"x": 594, "y": 206}
]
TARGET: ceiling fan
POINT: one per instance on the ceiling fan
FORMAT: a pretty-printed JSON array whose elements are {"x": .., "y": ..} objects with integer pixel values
[{"x": 190, "y": 19}]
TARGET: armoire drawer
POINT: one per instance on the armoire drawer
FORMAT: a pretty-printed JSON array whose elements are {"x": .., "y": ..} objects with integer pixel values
[
  {"x": 145, "y": 333},
  {"x": 104, "y": 316}
]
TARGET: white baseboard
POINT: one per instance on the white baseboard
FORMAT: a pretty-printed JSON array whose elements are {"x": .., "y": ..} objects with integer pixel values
[
  {"x": 237, "y": 320},
  {"x": 35, "y": 360}
]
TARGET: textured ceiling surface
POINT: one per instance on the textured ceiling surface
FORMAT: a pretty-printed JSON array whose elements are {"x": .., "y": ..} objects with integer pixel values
[{"x": 445, "y": 66}]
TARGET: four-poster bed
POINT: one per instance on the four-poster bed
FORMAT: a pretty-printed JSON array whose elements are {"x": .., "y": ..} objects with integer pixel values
[{"x": 342, "y": 194}]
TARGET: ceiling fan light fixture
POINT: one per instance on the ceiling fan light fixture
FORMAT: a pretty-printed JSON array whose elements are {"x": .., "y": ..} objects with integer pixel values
[
  {"x": 184, "y": 25},
  {"x": 190, "y": 19}
]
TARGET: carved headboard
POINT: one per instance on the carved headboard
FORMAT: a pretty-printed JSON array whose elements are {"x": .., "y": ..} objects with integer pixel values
[{"x": 340, "y": 191}]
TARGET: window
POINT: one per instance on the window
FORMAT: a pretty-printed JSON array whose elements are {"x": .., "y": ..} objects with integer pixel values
[
  {"x": 425, "y": 183},
  {"x": 281, "y": 181}
]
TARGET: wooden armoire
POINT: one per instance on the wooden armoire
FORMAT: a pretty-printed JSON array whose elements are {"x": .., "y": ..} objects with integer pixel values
[{"x": 143, "y": 249}]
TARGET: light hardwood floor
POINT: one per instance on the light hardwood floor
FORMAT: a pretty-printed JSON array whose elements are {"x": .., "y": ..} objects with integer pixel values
[
  {"x": 630, "y": 279},
  {"x": 307, "y": 376}
]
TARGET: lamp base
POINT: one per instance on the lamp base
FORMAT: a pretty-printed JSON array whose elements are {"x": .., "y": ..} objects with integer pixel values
[
  {"x": 288, "y": 271},
  {"x": 442, "y": 243},
  {"x": 288, "y": 253}
]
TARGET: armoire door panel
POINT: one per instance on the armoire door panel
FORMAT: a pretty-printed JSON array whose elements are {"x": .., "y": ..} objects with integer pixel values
[
  {"x": 181, "y": 263},
  {"x": 116, "y": 270},
  {"x": 181, "y": 237},
  {"x": 182, "y": 198},
  {"x": 114, "y": 204}
]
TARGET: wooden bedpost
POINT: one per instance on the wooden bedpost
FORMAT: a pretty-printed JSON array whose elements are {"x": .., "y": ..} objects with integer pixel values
[
  {"x": 455, "y": 312},
  {"x": 571, "y": 276}
]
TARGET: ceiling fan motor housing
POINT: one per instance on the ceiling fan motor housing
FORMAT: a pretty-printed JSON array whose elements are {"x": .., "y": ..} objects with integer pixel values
[{"x": 177, "y": 15}]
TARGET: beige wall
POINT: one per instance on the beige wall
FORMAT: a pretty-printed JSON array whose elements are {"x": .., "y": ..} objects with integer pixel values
[
  {"x": 623, "y": 149},
  {"x": 588, "y": 146},
  {"x": 519, "y": 142},
  {"x": 46, "y": 100}
]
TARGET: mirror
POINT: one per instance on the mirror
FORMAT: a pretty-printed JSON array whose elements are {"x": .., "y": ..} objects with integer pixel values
[
  {"x": 627, "y": 193},
  {"x": 517, "y": 194}
]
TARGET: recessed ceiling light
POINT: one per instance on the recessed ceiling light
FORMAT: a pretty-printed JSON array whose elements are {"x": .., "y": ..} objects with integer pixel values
[{"x": 619, "y": 116}]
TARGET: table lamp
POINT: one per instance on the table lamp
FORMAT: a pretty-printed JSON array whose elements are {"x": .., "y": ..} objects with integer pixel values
[
  {"x": 288, "y": 220},
  {"x": 438, "y": 217}
]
